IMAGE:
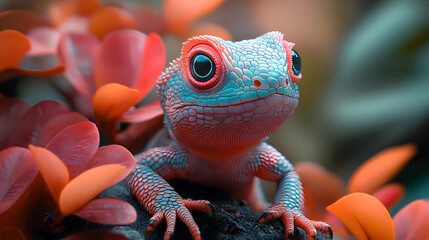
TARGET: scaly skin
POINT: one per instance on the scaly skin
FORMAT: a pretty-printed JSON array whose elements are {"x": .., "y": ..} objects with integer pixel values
[{"x": 218, "y": 126}]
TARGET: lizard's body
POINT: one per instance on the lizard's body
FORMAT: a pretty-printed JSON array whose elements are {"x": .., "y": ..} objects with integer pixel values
[{"x": 221, "y": 100}]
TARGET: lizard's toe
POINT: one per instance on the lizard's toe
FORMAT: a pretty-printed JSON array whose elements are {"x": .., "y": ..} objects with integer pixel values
[
  {"x": 323, "y": 228},
  {"x": 289, "y": 223},
  {"x": 154, "y": 221},
  {"x": 181, "y": 211},
  {"x": 186, "y": 217},
  {"x": 201, "y": 205},
  {"x": 171, "y": 223},
  {"x": 307, "y": 225}
]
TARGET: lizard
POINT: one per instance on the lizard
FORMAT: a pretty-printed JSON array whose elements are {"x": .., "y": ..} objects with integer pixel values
[{"x": 221, "y": 100}]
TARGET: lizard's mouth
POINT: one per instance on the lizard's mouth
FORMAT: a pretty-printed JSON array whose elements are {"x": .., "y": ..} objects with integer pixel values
[{"x": 280, "y": 99}]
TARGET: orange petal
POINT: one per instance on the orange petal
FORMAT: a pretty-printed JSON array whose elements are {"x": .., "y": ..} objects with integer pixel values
[
  {"x": 365, "y": 216},
  {"x": 112, "y": 100},
  {"x": 13, "y": 46},
  {"x": 178, "y": 15},
  {"x": 321, "y": 188},
  {"x": 86, "y": 7},
  {"x": 412, "y": 221},
  {"x": 381, "y": 168},
  {"x": 53, "y": 170},
  {"x": 209, "y": 29},
  {"x": 390, "y": 194},
  {"x": 87, "y": 186},
  {"x": 110, "y": 18}
]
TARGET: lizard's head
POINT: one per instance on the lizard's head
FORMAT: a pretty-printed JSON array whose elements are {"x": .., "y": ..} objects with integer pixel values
[{"x": 226, "y": 97}]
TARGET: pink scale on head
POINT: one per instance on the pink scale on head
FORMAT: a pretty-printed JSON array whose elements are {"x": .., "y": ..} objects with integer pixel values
[
  {"x": 289, "y": 46},
  {"x": 207, "y": 47}
]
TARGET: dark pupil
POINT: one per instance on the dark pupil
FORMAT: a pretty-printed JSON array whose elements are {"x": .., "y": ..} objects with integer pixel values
[
  {"x": 296, "y": 63},
  {"x": 202, "y": 67}
]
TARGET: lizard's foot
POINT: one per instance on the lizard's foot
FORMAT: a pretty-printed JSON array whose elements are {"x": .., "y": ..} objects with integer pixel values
[
  {"x": 179, "y": 209},
  {"x": 292, "y": 218}
]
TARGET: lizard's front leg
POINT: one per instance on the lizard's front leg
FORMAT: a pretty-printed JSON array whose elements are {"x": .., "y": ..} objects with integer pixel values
[
  {"x": 148, "y": 184},
  {"x": 273, "y": 166}
]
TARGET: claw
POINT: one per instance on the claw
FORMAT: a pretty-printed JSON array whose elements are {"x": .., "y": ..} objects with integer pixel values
[
  {"x": 213, "y": 209},
  {"x": 263, "y": 217},
  {"x": 151, "y": 223},
  {"x": 151, "y": 226},
  {"x": 323, "y": 228},
  {"x": 331, "y": 234},
  {"x": 154, "y": 221}
]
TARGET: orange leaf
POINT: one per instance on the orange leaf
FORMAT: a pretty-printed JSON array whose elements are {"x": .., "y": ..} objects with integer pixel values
[
  {"x": 365, "y": 216},
  {"x": 110, "y": 18},
  {"x": 412, "y": 221},
  {"x": 86, "y": 7},
  {"x": 86, "y": 186},
  {"x": 13, "y": 46},
  {"x": 53, "y": 170},
  {"x": 112, "y": 100},
  {"x": 178, "y": 15},
  {"x": 381, "y": 168}
]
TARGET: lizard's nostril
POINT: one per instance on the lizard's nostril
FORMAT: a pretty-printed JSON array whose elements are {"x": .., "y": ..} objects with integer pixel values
[{"x": 257, "y": 83}]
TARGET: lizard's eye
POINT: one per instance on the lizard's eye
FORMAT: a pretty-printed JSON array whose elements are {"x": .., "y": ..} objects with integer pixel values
[
  {"x": 202, "y": 67},
  {"x": 296, "y": 63},
  {"x": 293, "y": 61}
]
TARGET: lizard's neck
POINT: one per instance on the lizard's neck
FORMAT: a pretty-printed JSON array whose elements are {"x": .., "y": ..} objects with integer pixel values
[
  {"x": 219, "y": 149},
  {"x": 225, "y": 141}
]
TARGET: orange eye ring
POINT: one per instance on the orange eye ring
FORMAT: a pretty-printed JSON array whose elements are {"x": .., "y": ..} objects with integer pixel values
[
  {"x": 204, "y": 67},
  {"x": 293, "y": 61}
]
